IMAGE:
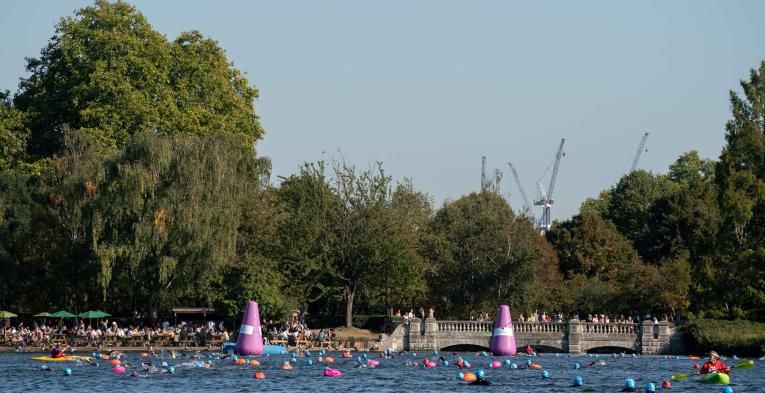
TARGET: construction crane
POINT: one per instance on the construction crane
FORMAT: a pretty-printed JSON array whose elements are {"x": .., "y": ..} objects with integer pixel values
[
  {"x": 638, "y": 153},
  {"x": 544, "y": 199},
  {"x": 484, "y": 180},
  {"x": 526, "y": 205}
]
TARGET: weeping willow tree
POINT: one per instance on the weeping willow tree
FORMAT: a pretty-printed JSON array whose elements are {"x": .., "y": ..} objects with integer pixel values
[{"x": 173, "y": 205}]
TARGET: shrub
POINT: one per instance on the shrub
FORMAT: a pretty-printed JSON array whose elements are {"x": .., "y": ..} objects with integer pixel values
[{"x": 738, "y": 337}]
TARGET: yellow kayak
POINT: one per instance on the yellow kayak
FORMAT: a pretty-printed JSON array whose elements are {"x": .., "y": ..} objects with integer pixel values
[{"x": 61, "y": 359}]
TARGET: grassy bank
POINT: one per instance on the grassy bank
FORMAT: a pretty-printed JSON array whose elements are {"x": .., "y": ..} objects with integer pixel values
[{"x": 743, "y": 338}]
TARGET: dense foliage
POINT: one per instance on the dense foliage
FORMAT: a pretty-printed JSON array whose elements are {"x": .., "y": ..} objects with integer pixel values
[
  {"x": 740, "y": 337},
  {"x": 129, "y": 181}
]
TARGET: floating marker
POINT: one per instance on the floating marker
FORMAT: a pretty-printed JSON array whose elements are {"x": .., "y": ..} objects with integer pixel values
[
  {"x": 502, "y": 338},
  {"x": 250, "y": 341}
]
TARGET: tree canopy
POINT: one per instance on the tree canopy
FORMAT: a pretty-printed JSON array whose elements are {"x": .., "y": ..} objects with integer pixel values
[
  {"x": 130, "y": 181},
  {"x": 107, "y": 72}
]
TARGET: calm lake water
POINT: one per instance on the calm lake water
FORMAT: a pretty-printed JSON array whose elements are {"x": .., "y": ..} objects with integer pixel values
[{"x": 18, "y": 373}]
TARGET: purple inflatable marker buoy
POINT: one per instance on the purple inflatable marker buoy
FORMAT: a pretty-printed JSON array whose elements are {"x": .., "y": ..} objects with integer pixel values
[
  {"x": 503, "y": 339},
  {"x": 250, "y": 341}
]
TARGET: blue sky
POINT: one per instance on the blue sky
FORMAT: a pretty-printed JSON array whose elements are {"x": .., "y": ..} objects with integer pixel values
[{"x": 428, "y": 87}]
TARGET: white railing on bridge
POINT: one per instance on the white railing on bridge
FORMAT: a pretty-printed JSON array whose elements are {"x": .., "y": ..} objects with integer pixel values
[
  {"x": 540, "y": 327},
  {"x": 465, "y": 326},
  {"x": 610, "y": 328}
]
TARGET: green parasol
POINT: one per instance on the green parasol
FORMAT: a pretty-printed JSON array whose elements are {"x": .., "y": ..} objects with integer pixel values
[
  {"x": 94, "y": 314},
  {"x": 42, "y": 314},
  {"x": 7, "y": 314},
  {"x": 62, "y": 314}
]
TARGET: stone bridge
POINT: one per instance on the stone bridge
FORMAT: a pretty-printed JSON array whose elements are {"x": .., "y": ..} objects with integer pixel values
[{"x": 573, "y": 336}]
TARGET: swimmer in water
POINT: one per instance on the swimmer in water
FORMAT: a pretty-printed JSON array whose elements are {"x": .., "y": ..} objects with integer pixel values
[{"x": 480, "y": 379}]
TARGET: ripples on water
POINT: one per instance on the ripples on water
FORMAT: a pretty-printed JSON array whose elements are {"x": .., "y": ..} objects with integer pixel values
[{"x": 18, "y": 373}]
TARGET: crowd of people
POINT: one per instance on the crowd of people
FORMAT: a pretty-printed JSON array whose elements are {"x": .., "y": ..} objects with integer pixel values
[
  {"x": 107, "y": 332},
  {"x": 283, "y": 331}
]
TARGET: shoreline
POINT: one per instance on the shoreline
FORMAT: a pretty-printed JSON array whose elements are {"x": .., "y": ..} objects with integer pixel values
[{"x": 88, "y": 350}]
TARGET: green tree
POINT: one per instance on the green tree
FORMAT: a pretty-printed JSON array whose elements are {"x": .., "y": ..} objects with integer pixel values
[
  {"x": 306, "y": 237},
  {"x": 690, "y": 168},
  {"x": 404, "y": 280},
  {"x": 372, "y": 238},
  {"x": 630, "y": 203},
  {"x": 591, "y": 246},
  {"x": 484, "y": 256},
  {"x": 13, "y": 134},
  {"x": 740, "y": 177},
  {"x": 17, "y": 229},
  {"x": 107, "y": 72},
  {"x": 597, "y": 205},
  {"x": 175, "y": 209}
]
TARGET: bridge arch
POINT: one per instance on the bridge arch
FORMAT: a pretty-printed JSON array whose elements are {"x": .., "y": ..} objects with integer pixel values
[
  {"x": 611, "y": 350},
  {"x": 465, "y": 348},
  {"x": 542, "y": 348}
]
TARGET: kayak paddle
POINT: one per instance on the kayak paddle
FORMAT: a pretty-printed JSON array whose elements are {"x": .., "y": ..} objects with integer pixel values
[{"x": 680, "y": 377}]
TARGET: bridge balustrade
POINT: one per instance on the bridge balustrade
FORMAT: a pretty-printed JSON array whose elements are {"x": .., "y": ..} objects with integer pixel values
[
  {"x": 465, "y": 326},
  {"x": 540, "y": 327},
  {"x": 610, "y": 328}
]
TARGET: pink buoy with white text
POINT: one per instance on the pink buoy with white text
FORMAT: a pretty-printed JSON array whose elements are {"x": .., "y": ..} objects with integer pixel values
[
  {"x": 503, "y": 339},
  {"x": 250, "y": 341}
]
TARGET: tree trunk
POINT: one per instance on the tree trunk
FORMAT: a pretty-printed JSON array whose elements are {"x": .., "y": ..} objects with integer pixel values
[{"x": 349, "y": 294}]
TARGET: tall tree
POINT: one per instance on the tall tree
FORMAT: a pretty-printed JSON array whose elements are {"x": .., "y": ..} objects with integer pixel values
[
  {"x": 305, "y": 232},
  {"x": 372, "y": 238},
  {"x": 740, "y": 176},
  {"x": 630, "y": 202},
  {"x": 589, "y": 245},
  {"x": 107, "y": 72},
  {"x": 484, "y": 255},
  {"x": 13, "y": 134},
  {"x": 174, "y": 207}
]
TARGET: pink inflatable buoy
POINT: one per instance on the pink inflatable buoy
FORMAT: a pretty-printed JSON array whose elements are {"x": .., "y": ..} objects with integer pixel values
[
  {"x": 332, "y": 372},
  {"x": 503, "y": 339},
  {"x": 496, "y": 364},
  {"x": 250, "y": 341},
  {"x": 119, "y": 369},
  {"x": 373, "y": 363}
]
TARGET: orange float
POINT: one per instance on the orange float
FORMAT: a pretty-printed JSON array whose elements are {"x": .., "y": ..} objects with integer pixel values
[
  {"x": 240, "y": 361},
  {"x": 469, "y": 377},
  {"x": 535, "y": 366},
  {"x": 254, "y": 362},
  {"x": 286, "y": 366},
  {"x": 104, "y": 357},
  {"x": 347, "y": 355},
  {"x": 259, "y": 375},
  {"x": 114, "y": 362},
  {"x": 329, "y": 359}
]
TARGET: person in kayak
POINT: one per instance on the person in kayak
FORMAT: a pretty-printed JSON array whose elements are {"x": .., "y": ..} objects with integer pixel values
[
  {"x": 714, "y": 365},
  {"x": 56, "y": 352}
]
